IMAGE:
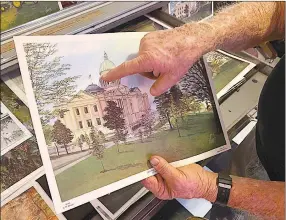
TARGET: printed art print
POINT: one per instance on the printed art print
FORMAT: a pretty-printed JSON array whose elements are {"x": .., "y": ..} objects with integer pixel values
[
  {"x": 16, "y": 13},
  {"x": 13, "y": 132},
  {"x": 189, "y": 11},
  {"x": 20, "y": 157},
  {"x": 226, "y": 70},
  {"x": 111, "y": 206},
  {"x": 29, "y": 202},
  {"x": 82, "y": 121}
]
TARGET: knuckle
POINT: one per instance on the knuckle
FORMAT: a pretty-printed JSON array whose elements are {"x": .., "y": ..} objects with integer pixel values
[{"x": 163, "y": 168}]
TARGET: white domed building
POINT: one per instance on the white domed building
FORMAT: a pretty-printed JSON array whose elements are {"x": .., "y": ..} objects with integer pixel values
[{"x": 86, "y": 109}]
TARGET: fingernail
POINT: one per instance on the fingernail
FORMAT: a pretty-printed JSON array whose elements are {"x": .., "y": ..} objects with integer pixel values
[
  {"x": 154, "y": 161},
  {"x": 152, "y": 91}
]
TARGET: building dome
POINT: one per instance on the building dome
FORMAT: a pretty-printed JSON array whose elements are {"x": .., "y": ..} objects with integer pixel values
[
  {"x": 93, "y": 88},
  {"x": 106, "y": 66}
]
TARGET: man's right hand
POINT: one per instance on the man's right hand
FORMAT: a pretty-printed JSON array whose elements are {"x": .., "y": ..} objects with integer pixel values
[
  {"x": 164, "y": 56},
  {"x": 186, "y": 182}
]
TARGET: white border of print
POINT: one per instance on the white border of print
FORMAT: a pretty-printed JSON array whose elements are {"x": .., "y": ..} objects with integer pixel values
[
  {"x": 15, "y": 88},
  {"x": 96, "y": 203},
  {"x": 236, "y": 79},
  {"x": 270, "y": 62},
  {"x": 41, "y": 192},
  {"x": 72, "y": 203},
  {"x": 27, "y": 133}
]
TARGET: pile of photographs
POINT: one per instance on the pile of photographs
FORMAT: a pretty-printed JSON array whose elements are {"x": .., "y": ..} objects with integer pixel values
[{"x": 21, "y": 164}]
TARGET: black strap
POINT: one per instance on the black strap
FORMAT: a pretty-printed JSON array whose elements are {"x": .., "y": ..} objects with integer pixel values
[{"x": 224, "y": 184}]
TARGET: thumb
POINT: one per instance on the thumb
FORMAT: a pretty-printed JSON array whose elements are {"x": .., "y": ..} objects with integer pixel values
[{"x": 166, "y": 170}]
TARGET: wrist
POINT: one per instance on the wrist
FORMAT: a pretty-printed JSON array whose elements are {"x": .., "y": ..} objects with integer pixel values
[
  {"x": 198, "y": 39},
  {"x": 211, "y": 187}
]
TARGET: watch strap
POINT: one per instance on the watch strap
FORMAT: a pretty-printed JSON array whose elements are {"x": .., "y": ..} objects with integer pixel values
[{"x": 224, "y": 184}]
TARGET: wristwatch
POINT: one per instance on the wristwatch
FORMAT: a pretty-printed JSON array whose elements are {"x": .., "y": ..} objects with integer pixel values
[{"x": 224, "y": 184}]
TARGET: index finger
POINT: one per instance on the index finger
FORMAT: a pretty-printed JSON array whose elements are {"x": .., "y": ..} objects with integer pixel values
[{"x": 136, "y": 65}]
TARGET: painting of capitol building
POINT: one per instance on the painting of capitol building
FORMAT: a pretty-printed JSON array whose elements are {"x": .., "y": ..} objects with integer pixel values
[{"x": 86, "y": 109}]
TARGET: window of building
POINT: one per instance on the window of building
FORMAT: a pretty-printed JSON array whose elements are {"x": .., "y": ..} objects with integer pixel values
[
  {"x": 98, "y": 121},
  {"x": 80, "y": 124},
  {"x": 89, "y": 122},
  {"x": 61, "y": 115},
  {"x": 95, "y": 108},
  {"x": 85, "y": 110},
  {"x": 77, "y": 111}
]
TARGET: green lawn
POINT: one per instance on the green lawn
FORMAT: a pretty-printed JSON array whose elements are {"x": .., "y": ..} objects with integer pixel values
[
  {"x": 87, "y": 176},
  {"x": 227, "y": 72}
]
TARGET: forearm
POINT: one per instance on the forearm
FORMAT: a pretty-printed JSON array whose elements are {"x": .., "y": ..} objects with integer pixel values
[
  {"x": 262, "y": 198},
  {"x": 240, "y": 26}
]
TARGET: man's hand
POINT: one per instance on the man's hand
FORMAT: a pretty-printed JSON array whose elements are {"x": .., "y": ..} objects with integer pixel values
[
  {"x": 164, "y": 56},
  {"x": 186, "y": 182}
]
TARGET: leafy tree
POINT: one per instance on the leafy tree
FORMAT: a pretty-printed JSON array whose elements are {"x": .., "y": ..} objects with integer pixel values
[
  {"x": 87, "y": 140},
  {"x": 79, "y": 143},
  {"x": 114, "y": 120},
  {"x": 163, "y": 107},
  {"x": 62, "y": 135},
  {"x": 98, "y": 148},
  {"x": 57, "y": 148},
  {"x": 177, "y": 95},
  {"x": 175, "y": 113},
  {"x": 48, "y": 133},
  {"x": 46, "y": 72},
  {"x": 19, "y": 162},
  {"x": 191, "y": 103},
  {"x": 147, "y": 122},
  {"x": 196, "y": 83},
  {"x": 186, "y": 10},
  {"x": 101, "y": 136},
  {"x": 140, "y": 135}
]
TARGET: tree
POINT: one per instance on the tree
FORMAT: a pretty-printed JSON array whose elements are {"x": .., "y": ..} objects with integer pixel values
[
  {"x": 177, "y": 95},
  {"x": 79, "y": 143},
  {"x": 57, "y": 148},
  {"x": 163, "y": 107},
  {"x": 191, "y": 103},
  {"x": 19, "y": 162},
  {"x": 175, "y": 114},
  {"x": 61, "y": 134},
  {"x": 101, "y": 136},
  {"x": 46, "y": 72},
  {"x": 186, "y": 10},
  {"x": 98, "y": 148},
  {"x": 114, "y": 120},
  {"x": 196, "y": 83},
  {"x": 140, "y": 135},
  {"x": 147, "y": 122},
  {"x": 87, "y": 140},
  {"x": 47, "y": 129}
]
